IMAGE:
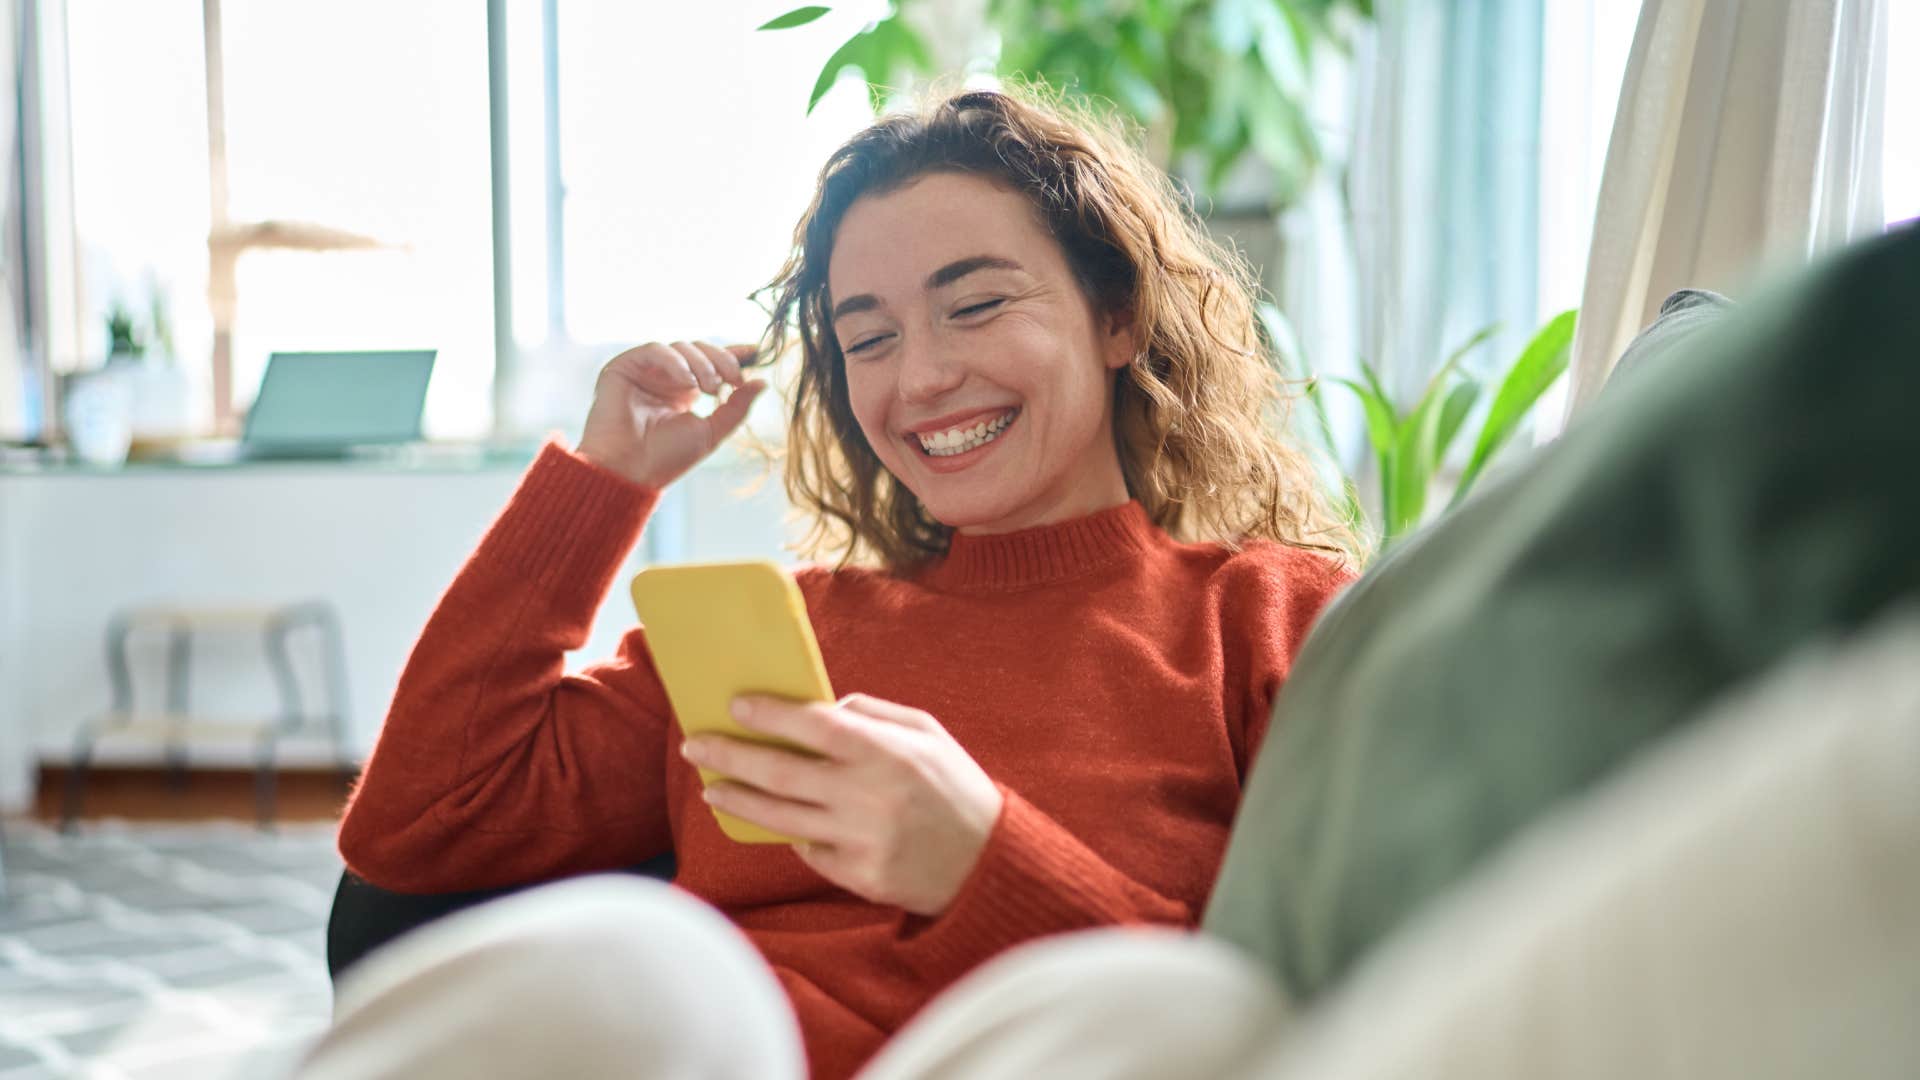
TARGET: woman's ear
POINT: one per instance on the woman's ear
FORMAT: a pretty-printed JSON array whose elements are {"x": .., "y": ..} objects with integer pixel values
[{"x": 1123, "y": 342}]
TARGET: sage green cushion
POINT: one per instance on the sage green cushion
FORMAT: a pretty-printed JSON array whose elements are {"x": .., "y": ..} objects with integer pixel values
[{"x": 1731, "y": 502}]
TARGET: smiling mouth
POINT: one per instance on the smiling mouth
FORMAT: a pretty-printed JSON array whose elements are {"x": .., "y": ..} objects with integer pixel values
[{"x": 957, "y": 441}]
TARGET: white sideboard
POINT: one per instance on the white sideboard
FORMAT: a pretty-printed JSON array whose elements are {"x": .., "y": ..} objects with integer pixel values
[{"x": 379, "y": 541}]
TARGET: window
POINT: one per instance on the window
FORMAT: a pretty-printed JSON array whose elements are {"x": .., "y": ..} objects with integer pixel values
[
  {"x": 683, "y": 154},
  {"x": 138, "y": 102},
  {"x": 1587, "y": 45},
  {"x": 360, "y": 117}
]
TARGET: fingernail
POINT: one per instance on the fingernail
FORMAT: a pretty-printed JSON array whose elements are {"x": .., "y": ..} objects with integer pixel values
[
  {"x": 689, "y": 751},
  {"x": 741, "y": 709}
]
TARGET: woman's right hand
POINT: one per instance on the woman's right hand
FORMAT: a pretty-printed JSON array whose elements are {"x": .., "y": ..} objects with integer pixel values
[{"x": 642, "y": 424}]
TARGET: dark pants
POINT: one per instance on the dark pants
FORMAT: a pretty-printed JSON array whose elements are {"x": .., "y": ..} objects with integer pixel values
[{"x": 366, "y": 917}]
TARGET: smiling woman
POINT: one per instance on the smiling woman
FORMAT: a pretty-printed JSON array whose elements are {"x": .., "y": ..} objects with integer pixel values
[
  {"x": 1035, "y": 424},
  {"x": 967, "y": 239},
  {"x": 986, "y": 385}
]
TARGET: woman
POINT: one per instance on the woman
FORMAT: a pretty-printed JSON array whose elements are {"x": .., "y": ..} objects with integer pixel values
[{"x": 1035, "y": 422}]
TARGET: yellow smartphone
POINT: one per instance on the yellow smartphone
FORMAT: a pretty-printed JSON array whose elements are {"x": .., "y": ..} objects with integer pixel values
[{"x": 720, "y": 630}]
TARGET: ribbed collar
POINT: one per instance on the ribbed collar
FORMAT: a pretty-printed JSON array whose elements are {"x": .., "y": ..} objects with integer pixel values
[{"x": 1043, "y": 554}]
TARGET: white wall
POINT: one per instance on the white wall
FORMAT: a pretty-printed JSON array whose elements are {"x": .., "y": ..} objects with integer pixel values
[{"x": 380, "y": 544}]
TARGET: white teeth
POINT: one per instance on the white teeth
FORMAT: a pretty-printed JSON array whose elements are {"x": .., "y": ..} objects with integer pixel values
[{"x": 961, "y": 440}]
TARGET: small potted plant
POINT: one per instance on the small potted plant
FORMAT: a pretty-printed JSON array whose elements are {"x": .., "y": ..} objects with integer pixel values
[{"x": 125, "y": 341}]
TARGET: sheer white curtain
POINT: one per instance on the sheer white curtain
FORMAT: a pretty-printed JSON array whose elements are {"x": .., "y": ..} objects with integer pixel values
[
  {"x": 1747, "y": 135},
  {"x": 1429, "y": 232}
]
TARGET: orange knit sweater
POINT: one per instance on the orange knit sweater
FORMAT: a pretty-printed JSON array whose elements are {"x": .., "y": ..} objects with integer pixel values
[{"x": 1114, "y": 683}]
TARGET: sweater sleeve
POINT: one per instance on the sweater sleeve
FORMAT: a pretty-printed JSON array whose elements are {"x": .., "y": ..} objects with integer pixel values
[
  {"x": 495, "y": 767},
  {"x": 1034, "y": 878},
  {"x": 1271, "y": 596}
]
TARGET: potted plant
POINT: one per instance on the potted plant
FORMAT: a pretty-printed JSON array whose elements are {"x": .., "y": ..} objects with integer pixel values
[
  {"x": 1214, "y": 84},
  {"x": 1411, "y": 444},
  {"x": 125, "y": 341},
  {"x": 139, "y": 388}
]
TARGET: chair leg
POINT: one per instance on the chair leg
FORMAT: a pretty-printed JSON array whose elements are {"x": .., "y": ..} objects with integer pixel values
[
  {"x": 264, "y": 790},
  {"x": 334, "y": 648},
  {"x": 76, "y": 782},
  {"x": 120, "y": 678},
  {"x": 179, "y": 666},
  {"x": 293, "y": 714}
]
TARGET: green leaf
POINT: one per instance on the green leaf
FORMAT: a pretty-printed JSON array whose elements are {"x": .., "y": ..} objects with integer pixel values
[
  {"x": 853, "y": 53},
  {"x": 1383, "y": 427},
  {"x": 1541, "y": 363},
  {"x": 1429, "y": 418},
  {"x": 1379, "y": 388},
  {"x": 799, "y": 16},
  {"x": 1418, "y": 449},
  {"x": 1384, "y": 435},
  {"x": 1460, "y": 402},
  {"x": 1405, "y": 485}
]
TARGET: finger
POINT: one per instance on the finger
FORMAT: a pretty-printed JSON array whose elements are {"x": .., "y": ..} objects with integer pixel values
[
  {"x": 889, "y": 711},
  {"x": 801, "y": 821},
  {"x": 656, "y": 370},
  {"x": 653, "y": 367},
  {"x": 732, "y": 412},
  {"x": 701, "y": 367},
  {"x": 771, "y": 769},
  {"x": 724, "y": 365},
  {"x": 821, "y": 728},
  {"x": 745, "y": 355}
]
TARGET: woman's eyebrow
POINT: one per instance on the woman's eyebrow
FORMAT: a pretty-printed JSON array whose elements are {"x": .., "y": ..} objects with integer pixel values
[
  {"x": 946, "y": 275},
  {"x": 960, "y": 268},
  {"x": 853, "y": 305}
]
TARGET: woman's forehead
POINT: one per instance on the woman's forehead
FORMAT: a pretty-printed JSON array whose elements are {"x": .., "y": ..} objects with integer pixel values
[{"x": 894, "y": 239}]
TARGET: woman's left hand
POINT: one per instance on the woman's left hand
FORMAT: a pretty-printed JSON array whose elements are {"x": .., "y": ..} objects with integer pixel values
[{"x": 892, "y": 808}]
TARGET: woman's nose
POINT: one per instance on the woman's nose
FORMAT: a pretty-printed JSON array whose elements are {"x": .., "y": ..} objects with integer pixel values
[{"x": 928, "y": 371}]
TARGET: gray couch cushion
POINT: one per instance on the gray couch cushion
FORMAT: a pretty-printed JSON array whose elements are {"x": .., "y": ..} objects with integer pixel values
[
  {"x": 1705, "y": 518},
  {"x": 1682, "y": 315}
]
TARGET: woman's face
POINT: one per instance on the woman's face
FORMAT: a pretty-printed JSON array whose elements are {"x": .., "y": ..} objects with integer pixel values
[{"x": 980, "y": 373}]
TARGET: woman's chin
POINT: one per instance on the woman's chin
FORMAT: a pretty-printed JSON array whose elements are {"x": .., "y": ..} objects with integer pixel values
[{"x": 967, "y": 511}]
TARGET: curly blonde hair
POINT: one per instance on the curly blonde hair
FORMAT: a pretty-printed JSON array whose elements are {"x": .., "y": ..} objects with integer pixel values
[{"x": 1197, "y": 413}]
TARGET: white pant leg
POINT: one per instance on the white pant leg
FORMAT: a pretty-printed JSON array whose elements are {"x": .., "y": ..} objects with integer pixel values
[
  {"x": 610, "y": 976},
  {"x": 1114, "y": 1004}
]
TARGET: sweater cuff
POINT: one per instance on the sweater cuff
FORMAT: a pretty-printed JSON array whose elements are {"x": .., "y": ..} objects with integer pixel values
[
  {"x": 570, "y": 522},
  {"x": 1034, "y": 878}
]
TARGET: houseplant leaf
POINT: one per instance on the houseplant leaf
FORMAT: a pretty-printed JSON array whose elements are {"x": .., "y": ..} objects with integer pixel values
[
  {"x": 1453, "y": 413},
  {"x": 799, "y": 16},
  {"x": 1542, "y": 362},
  {"x": 1383, "y": 427},
  {"x": 851, "y": 53}
]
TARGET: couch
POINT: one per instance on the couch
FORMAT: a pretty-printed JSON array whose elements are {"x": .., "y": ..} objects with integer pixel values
[{"x": 1738, "y": 500}]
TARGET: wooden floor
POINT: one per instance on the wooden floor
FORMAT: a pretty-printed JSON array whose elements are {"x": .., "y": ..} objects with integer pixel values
[{"x": 150, "y": 794}]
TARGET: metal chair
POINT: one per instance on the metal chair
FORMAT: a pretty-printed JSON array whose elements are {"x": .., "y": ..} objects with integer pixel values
[{"x": 177, "y": 726}]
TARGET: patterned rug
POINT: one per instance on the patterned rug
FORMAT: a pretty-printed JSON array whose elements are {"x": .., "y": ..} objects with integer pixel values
[{"x": 139, "y": 951}]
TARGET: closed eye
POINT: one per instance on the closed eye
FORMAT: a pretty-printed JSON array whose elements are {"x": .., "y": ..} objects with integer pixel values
[
  {"x": 862, "y": 346},
  {"x": 975, "y": 309}
]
